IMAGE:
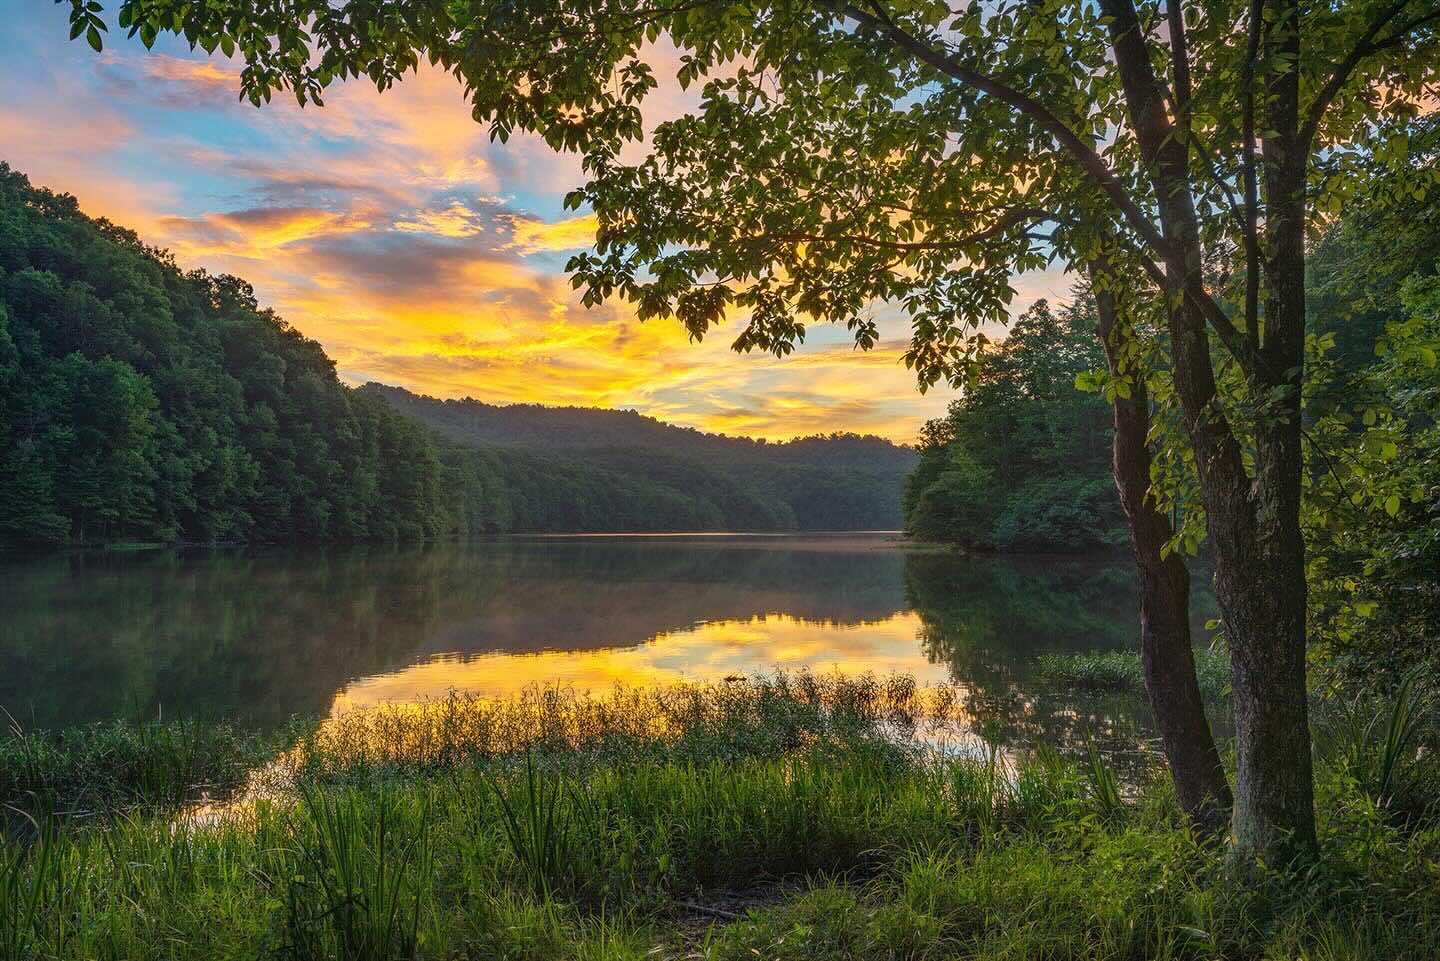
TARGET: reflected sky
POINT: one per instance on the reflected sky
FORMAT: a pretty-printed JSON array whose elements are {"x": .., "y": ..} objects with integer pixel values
[
  {"x": 709, "y": 650},
  {"x": 263, "y": 635}
]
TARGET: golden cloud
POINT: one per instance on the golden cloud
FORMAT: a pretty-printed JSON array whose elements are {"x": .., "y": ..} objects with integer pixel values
[
  {"x": 256, "y": 231},
  {"x": 375, "y": 224},
  {"x": 533, "y": 236},
  {"x": 456, "y": 220}
]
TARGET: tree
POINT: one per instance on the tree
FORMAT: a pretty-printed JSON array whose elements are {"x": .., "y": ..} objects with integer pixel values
[
  {"x": 1372, "y": 500},
  {"x": 1022, "y": 459},
  {"x": 143, "y": 404},
  {"x": 914, "y": 154}
]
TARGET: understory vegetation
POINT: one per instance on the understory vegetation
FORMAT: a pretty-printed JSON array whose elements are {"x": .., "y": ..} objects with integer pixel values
[{"x": 789, "y": 817}]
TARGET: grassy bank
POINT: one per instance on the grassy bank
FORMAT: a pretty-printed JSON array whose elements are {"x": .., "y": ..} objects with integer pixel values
[
  {"x": 106, "y": 769},
  {"x": 774, "y": 820},
  {"x": 1121, "y": 671}
]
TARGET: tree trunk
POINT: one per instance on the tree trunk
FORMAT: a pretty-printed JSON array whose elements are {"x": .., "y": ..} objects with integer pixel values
[
  {"x": 1166, "y": 653},
  {"x": 1274, "y": 780},
  {"x": 1254, "y": 526}
]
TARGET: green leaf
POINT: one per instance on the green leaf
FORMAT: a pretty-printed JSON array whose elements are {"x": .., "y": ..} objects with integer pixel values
[{"x": 92, "y": 36}]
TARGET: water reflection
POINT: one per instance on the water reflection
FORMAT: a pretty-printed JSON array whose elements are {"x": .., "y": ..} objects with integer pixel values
[{"x": 260, "y": 636}]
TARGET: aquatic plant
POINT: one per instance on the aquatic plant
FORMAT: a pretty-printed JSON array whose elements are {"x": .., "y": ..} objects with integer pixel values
[
  {"x": 1121, "y": 671},
  {"x": 104, "y": 769},
  {"x": 1104, "y": 786}
]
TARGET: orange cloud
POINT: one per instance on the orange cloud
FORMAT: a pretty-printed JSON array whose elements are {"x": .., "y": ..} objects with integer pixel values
[
  {"x": 255, "y": 231},
  {"x": 456, "y": 220},
  {"x": 388, "y": 227},
  {"x": 532, "y": 236}
]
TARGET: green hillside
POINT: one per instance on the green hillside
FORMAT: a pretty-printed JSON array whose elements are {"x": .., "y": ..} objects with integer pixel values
[
  {"x": 142, "y": 403},
  {"x": 835, "y": 482}
]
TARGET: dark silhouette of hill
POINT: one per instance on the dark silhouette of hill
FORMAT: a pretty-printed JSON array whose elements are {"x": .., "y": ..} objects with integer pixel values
[{"x": 837, "y": 482}]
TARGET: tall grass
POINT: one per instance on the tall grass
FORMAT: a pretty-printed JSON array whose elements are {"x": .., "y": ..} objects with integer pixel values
[
  {"x": 576, "y": 841},
  {"x": 1378, "y": 742},
  {"x": 27, "y": 875},
  {"x": 761, "y": 716},
  {"x": 1104, "y": 786},
  {"x": 364, "y": 876},
  {"x": 1121, "y": 671},
  {"x": 535, "y": 826},
  {"x": 108, "y": 768}
]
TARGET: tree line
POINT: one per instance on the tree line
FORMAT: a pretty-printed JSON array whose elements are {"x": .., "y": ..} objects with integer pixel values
[
  {"x": 1021, "y": 461},
  {"x": 839, "y": 481}
]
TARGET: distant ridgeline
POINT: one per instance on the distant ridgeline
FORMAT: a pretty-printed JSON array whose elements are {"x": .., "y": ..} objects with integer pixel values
[
  {"x": 839, "y": 482},
  {"x": 142, "y": 404}
]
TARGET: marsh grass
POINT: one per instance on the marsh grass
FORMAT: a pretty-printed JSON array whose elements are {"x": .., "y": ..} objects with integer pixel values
[
  {"x": 762, "y": 716},
  {"x": 27, "y": 874},
  {"x": 1104, "y": 786},
  {"x": 104, "y": 769},
  {"x": 363, "y": 876},
  {"x": 1121, "y": 671},
  {"x": 538, "y": 831},
  {"x": 559, "y": 828},
  {"x": 1388, "y": 745}
]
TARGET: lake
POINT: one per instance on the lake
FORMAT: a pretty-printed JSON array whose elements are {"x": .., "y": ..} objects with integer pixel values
[{"x": 260, "y": 635}]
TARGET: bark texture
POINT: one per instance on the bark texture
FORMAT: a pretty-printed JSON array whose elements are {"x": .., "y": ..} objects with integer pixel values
[
  {"x": 1166, "y": 649},
  {"x": 1273, "y": 762},
  {"x": 1253, "y": 525}
]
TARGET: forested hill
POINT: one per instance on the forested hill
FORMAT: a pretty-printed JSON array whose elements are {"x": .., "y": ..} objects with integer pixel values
[
  {"x": 561, "y": 428},
  {"x": 141, "y": 403},
  {"x": 835, "y": 482}
]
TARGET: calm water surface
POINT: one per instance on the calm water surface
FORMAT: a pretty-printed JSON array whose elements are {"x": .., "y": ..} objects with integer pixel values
[{"x": 259, "y": 636}]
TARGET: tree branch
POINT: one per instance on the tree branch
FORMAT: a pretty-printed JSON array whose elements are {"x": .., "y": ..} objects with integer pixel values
[
  {"x": 1403, "y": 31},
  {"x": 1180, "y": 60},
  {"x": 1088, "y": 159},
  {"x": 1010, "y": 218},
  {"x": 1250, "y": 230},
  {"x": 1363, "y": 48},
  {"x": 1241, "y": 348}
]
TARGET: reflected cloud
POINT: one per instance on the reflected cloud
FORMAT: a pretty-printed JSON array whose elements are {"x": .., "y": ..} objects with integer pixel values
[
  {"x": 707, "y": 652},
  {"x": 258, "y": 637}
]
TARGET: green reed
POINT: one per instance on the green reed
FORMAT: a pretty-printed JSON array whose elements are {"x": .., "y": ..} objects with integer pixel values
[
  {"x": 363, "y": 877},
  {"x": 850, "y": 839},
  {"x": 1121, "y": 671},
  {"x": 106, "y": 768}
]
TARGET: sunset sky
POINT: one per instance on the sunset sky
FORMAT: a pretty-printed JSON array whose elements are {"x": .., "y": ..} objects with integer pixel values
[{"x": 418, "y": 253}]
